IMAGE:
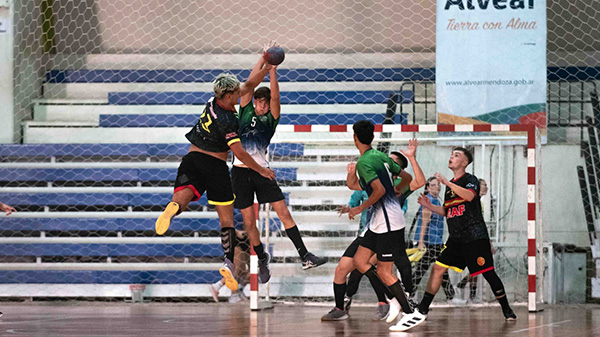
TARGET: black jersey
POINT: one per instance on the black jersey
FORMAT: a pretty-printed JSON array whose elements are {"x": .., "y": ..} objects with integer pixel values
[
  {"x": 464, "y": 218},
  {"x": 216, "y": 130}
]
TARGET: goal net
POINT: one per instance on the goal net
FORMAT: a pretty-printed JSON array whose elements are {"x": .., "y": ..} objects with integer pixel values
[
  {"x": 319, "y": 157},
  {"x": 103, "y": 92}
]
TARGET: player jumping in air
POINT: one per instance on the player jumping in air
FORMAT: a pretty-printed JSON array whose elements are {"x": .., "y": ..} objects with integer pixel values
[
  {"x": 468, "y": 243},
  {"x": 258, "y": 122},
  {"x": 204, "y": 168}
]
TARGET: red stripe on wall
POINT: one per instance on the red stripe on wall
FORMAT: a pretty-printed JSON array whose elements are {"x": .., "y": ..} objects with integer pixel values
[
  {"x": 338, "y": 128},
  {"x": 302, "y": 128}
]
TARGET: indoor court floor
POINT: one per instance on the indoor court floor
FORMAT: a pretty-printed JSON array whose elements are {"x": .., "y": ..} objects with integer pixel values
[{"x": 223, "y": 319}]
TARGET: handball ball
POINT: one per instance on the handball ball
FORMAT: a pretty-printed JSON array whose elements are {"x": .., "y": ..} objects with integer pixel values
[{"x": 275, "y": 55}]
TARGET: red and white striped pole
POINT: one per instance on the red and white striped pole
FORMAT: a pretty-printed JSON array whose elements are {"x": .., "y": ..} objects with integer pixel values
[
  {"x": 531, "y": 220},
  {"x": 254, "y": 271}
]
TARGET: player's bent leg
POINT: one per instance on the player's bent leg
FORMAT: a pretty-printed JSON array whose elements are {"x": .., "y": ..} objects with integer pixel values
[
  {"x": 228, "y": 238},
  {"x": 309, "y": 260},
  {"x": 180, "y": 201}
]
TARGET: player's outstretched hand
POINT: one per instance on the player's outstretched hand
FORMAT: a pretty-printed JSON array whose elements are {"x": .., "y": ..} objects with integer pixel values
[
  {"x": 351, "y": 168},
  {"x": 268, "y": 173},
  {"x": 440, "y": 177},
  {"x": 7, "y": 209},
  {"x": 412, "y": 148},
  {"x": 266, "y": 47},
  {"x": 343, "y": 210},
  {"x": 424, "y": 201},
  {"x": 353, "y": 212}
]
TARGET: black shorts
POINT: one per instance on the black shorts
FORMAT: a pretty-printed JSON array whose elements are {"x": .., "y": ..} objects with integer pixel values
[
  {"x": 201, "y": 172},
  {"x": 352, "y": 248},
  {"x": 475, "y": 255},
  {"x": 246, "y": 182},
  {"x": 388, "y": 246}
]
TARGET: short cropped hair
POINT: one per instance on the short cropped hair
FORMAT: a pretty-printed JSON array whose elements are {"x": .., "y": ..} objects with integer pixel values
[
  {"x": 225, "y": 83},
  {"x": 466, "y": 152},
  {"x": 263, "y": 92},
  {"x": 364, "y": 131},
  {"x": 403, "y": 160}
]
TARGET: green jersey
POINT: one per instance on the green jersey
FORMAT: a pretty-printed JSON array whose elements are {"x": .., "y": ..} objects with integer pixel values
[
  {"x": 385, "y": 215},
  {"x": 256, "y": 133}
]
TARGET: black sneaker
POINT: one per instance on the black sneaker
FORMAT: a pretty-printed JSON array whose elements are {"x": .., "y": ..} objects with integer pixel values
[
  {"x": 264, "y": 273},
  {"x": 311, "y": 261},
  {"x": 509, "y": 315}
]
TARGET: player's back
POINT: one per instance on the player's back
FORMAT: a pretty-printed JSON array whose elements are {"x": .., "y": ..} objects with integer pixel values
[{"x": 216, "y": 129}]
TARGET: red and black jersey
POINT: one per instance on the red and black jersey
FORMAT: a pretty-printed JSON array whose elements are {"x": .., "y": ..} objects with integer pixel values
[
  {"x": 464, "y": 218},
  {"x": 216, "y": 130}
]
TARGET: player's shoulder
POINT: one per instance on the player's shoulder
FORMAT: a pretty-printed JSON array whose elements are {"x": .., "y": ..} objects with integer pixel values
[{"x": 470, "y": 178}]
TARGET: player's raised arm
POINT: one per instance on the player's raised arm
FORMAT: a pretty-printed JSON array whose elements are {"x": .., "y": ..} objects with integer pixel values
[
  {"x": 247, "y": 97},
  {"x": 275, "y": 104},
  {"x": 410, "y": 154},
  {"x": 247, "y": 88}
]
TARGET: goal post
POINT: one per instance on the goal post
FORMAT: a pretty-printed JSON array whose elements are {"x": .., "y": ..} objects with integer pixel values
[{"x": 325, "y": 151}]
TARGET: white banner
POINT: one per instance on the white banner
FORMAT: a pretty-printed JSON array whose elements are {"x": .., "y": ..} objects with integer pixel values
[{"x": 491, "y": 61}]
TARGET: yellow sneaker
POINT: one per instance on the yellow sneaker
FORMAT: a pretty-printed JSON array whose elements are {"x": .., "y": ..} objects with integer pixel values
[
  {"x": 227, "y": 272},
  {"x": 164, "y": 220}
]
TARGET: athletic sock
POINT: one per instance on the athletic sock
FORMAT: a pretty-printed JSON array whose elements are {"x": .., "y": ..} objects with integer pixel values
[
  {"x": 403, "y": 265},
  {"x": 378, "y": 287},
  {"x": 398, "y": 291},
  {"x": 339, "y": 290},
  {"x": 228, "y": 242},
  {"x": 353, "y": 283},
  {"x": 260, "y": 251},
  {"x": 425, "y": 303},
  {"x": 502, "y": 299},
  {"x": 294, "y": 235},
  {"x": 498, "y": 288},
  {"x": 376, "y": 283}
]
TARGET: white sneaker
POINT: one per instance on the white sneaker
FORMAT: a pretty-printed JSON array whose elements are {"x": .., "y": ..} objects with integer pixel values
[
  {"x": 394, "y": 310},
  {"x": 214, "y": 290},
  {"x": 409, "y": 321},
  {"x": 236, "y": 298}
]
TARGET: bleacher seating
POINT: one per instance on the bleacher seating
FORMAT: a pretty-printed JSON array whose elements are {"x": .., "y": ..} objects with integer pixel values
[{"x": 67, "y": 182}]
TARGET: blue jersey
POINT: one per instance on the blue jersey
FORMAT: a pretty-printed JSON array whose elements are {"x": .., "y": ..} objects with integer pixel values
[{"x": 435, "y": 228}]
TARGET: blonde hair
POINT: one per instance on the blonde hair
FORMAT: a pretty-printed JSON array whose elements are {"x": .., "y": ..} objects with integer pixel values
[{"x": 225, "y": 83}]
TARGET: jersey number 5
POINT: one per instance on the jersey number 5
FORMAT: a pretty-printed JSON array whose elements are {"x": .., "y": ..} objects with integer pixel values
[
  {"x": 206, "y": 120},
  {"x": 253, "y": 124}
]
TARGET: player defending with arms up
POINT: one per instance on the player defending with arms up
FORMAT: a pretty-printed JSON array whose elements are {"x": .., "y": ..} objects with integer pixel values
[
  {"x": 258, "y": 122},
  {"x": 385, "y": 235},
  {"x": 468, "y": 243},
  {"x": 204, "y": 168}
]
